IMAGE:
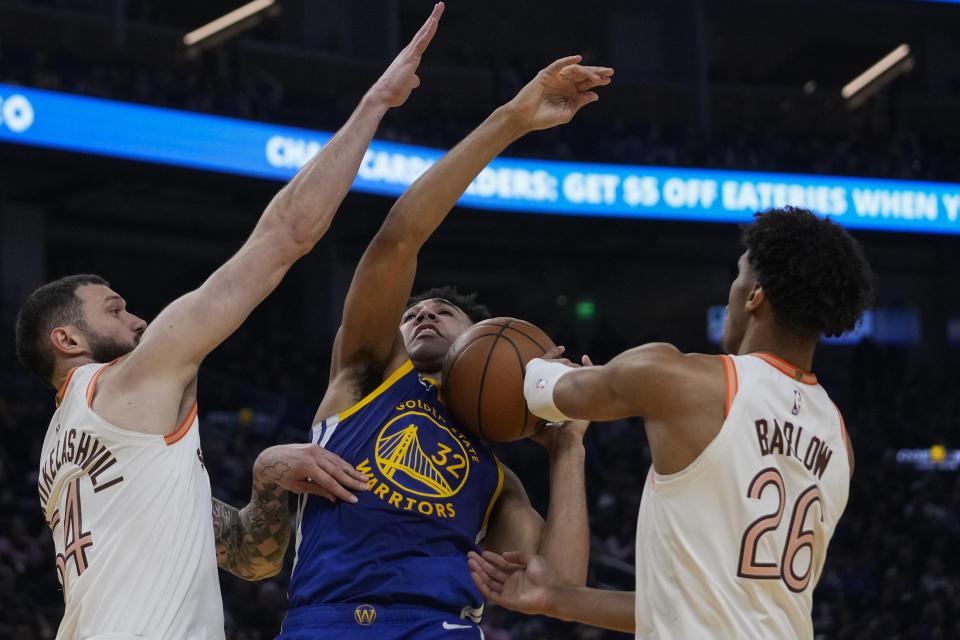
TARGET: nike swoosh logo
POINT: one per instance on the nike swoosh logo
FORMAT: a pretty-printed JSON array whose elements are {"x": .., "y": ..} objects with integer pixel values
[{"x": 448, "y": 626}]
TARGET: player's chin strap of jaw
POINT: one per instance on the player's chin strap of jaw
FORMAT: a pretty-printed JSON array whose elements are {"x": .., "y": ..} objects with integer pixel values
[{"x": 538, "y": 383}]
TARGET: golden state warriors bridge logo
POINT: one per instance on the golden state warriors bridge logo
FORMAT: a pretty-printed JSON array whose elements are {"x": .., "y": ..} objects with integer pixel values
[
  {"x": 421, "y": 461},
  {"x": 420, "y": 455}
]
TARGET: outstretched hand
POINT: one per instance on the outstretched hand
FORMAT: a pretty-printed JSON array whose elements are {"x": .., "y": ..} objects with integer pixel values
[
  {"x": 516, "y": 580},
  {"x": 400, "y": 78},
  {"x": 557, "y": 93},
  {"x": 309, "y": 468}
]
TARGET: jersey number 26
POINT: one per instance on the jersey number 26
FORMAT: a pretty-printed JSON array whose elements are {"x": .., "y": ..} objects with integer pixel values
[{"x": 798, "y": 538}]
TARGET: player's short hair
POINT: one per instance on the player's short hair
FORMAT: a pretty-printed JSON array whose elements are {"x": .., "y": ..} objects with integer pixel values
[
  {"x": 813, "y": 272},
  {"x": 466, "y": 302},
  {"x": 55, "y": 304}
]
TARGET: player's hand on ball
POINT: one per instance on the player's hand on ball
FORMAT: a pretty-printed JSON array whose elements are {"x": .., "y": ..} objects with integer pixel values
[
  {"x": 554, "y": 354},
  {"x": 555, "y": 434},
  {"x": 308, "y": 468}
]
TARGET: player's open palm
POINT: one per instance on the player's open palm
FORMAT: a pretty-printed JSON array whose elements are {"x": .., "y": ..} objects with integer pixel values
[
  {"x": 515, "y": 580},
  {"x": 308, "y": 468},
  {"x": 400, "y": 78},
  {"x": 556, "y": 93}
]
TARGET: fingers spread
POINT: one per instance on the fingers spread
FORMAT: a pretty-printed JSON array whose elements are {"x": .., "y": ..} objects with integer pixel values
[
  {"x": 489, "y": 588},
  {"x": 509, "y": 561},
  {"x": 484, "y": 575}
]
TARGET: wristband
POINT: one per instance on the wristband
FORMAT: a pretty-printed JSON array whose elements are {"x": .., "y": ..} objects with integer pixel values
[{"x": 538, "y": 383}]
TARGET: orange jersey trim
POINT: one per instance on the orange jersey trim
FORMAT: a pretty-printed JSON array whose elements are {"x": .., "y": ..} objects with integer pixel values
[
  {"x": 786, "y": 368},
  {"x": 179, "y": 432},
  {"x": 733, "y": 383},
  {"x": 92, "y": 386},
  {"x": 63, "y": 388}
]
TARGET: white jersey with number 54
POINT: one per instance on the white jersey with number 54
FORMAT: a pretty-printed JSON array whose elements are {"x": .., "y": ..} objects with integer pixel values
[
  {"x": 733, "y": 545},
  {"x": 131, "y": 520}
]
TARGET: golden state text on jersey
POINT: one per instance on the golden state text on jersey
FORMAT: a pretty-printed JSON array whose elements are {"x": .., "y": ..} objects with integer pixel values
[{"x": 404, "y": 542}]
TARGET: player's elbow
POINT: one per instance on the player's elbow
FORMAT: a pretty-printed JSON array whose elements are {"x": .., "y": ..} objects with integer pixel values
[
  {"x": 282, "y": 242},
  {"x": 270, "y": 571},
  {"x": 293, "y": 224},
  {"x": 260, "y": 571}
]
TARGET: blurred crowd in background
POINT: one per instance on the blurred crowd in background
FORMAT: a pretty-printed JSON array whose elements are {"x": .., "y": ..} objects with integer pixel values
[{"x": 892, "y": 570}]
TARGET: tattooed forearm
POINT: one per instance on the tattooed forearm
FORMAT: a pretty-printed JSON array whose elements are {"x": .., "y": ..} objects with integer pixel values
[{"x": 251, "y": 541}]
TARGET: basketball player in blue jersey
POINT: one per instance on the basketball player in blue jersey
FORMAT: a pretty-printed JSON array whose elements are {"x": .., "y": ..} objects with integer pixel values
[{"x": 393, "y": 564}]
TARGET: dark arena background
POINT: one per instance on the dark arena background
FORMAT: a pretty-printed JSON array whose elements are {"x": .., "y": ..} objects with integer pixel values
[{"x": 718, "y": 108}]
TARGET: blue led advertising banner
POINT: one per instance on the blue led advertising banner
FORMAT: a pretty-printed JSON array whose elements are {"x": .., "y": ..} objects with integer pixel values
[{"x": 152, "y": 134}]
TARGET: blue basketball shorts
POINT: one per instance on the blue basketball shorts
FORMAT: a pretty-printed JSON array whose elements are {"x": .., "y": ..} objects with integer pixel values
[{"x": 375, "y": 622}]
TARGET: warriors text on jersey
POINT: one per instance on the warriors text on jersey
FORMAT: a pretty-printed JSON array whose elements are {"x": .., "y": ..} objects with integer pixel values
[
  {"x": 733, "y": 545},
  {"x": 131, "y": 520},
  {"x": 405, "y": 542}
]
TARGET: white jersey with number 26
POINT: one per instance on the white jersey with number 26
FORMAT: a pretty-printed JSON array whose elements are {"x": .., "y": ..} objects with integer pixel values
[
  {"x": 130, "y": 515},
  {"x": 733, "y": 545}
]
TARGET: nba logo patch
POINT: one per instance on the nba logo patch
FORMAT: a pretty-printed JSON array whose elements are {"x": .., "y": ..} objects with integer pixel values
[
  {"x": 542, "y": 383},
  {"x": 796, "y": 402}
]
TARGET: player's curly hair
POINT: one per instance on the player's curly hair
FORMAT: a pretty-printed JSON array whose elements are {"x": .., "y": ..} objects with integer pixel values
[
  {"x": 813, "y": 272},
  {"x": 467, "y": 302}
]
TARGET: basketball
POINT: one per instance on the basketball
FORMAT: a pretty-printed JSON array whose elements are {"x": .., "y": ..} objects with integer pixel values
[{"x": 482, "y": 379}]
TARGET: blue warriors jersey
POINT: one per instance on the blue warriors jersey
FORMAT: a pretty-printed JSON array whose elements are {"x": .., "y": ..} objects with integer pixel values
[{"x": 432, "y": 488}]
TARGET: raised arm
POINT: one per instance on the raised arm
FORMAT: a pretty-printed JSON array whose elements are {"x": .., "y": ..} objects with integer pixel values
[
  {"x": 176, "y": 342},
  {"x": 564, "y": 539},
  {"x": 368, "y": 336}
]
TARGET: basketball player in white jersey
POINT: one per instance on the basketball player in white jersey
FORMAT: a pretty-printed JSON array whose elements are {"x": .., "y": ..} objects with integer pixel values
[
  {"x": 122, "y": 482},
  {"x": 751, "y": 461}
]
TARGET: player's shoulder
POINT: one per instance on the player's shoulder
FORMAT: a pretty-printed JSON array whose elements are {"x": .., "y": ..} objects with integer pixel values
[
  {"x": 352, "y": 388},
  {"x": 668, "y": 358}
]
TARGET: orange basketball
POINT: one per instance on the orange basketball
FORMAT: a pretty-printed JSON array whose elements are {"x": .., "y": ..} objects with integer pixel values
[{"x": 482, "y": 380}]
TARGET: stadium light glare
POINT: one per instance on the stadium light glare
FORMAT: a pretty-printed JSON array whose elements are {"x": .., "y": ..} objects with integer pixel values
[
  {"x": 881, "y": 73},
  {"x": 227, "y": 25}
]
